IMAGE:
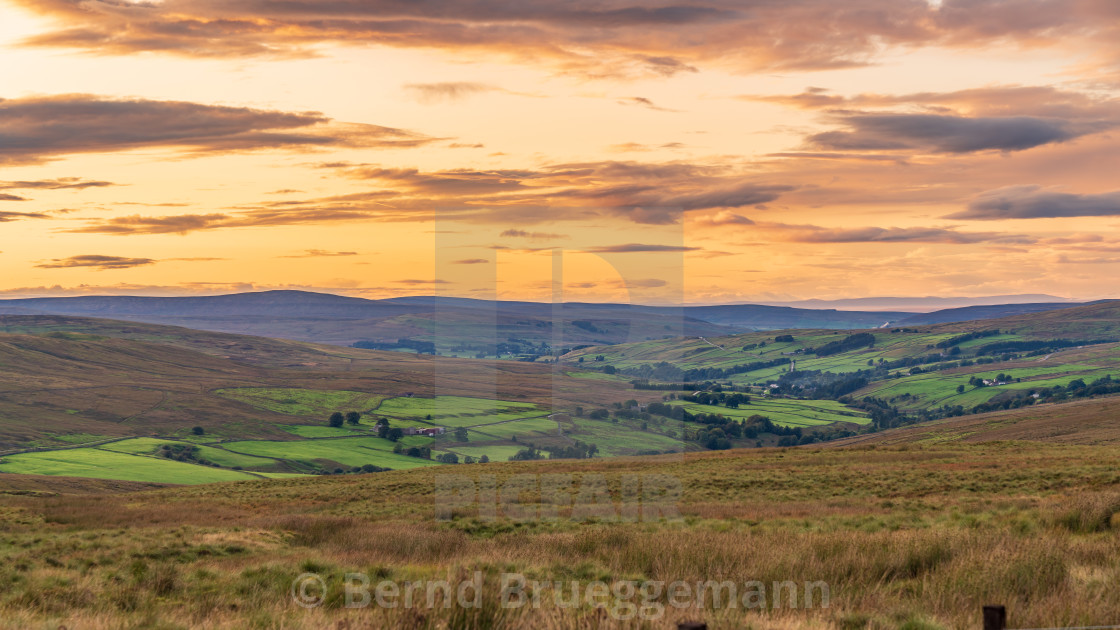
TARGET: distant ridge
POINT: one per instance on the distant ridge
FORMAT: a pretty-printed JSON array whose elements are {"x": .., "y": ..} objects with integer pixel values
[
  {"x": 925, "y": 304},
  {"x": 341, "y": 320},
  {"x": 970, "y": 313}
]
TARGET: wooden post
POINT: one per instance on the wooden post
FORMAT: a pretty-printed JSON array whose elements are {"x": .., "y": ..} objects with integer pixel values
[
  {"x": 995, "y": 618},
  {"x": 692, "y": 625}
]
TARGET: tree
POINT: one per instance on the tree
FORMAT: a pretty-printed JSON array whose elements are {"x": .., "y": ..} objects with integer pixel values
[
  {"x": 484, "y": 460},
  {"x": 394, "y": 434},
  {"x": 398, "y": 448},
  {"x": 448, "y": 458},
  {"x": 353, "y": 417},
  {"x": 461, "y": 434},
  {"x": 198, "y": 430},
  {"x": 960, "y": 389},
  {"x": 609, "y": 369},
  {"x": 337, "y": 419}
]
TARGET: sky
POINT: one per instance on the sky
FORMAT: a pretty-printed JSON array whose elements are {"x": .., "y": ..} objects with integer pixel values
[{"x": 668, "y": 151}]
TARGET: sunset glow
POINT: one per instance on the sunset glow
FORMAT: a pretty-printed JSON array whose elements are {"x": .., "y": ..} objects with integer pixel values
[{"x": 757, "y": 150}]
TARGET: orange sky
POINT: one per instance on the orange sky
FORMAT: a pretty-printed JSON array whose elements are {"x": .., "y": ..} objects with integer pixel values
[{"x": 702, "y": 150}]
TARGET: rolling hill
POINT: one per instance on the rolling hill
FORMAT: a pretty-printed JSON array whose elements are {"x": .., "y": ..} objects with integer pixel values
[
  {"x": 898, "y": 374},
  {"x": 87, "y": 397},
  {"x": 460, "y": 326}
]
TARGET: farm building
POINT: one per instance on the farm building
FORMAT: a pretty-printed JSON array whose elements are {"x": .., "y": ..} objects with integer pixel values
[{"x": 428, "y": 431}]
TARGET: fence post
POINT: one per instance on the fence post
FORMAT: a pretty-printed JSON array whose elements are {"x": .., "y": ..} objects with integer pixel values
[
  {"x": 995, "y": 618},
  {"x": 692, "y": 625}
]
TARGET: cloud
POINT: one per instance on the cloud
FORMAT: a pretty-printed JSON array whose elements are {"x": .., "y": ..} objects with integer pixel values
[
  {"x": 997, "y": 100},
  {"x": 513, "y": 233},
  {"x": 176, "y": 224},
  {"x": 7, "y": 197},
  {"x": 724, "y": 217},
  {"x": 596, "y": 38},
  {"x": 644, "y": 193},
  {"x": 816, "y": 234},
  {"x": 413, "y": 282},
  {"x": 948, "y": 134},
  {"x": 593, "y": 38},
  {"x": 1035, "y": 202},
  {"x": 748, "y": 194},
  {"x": 100, "y": 263},
  {"x": 637, "y": 147},
  {"x": 320, "y": 253},
  {"x": 634, "y": 248},
  {"x": 642, "y": 101},
  {"x": 471, "y": 261},
  {"x": 7, "y": 217},
  {"x": 430, "y": 93},
  {"x": 62, "y": 183},
  {"x": 36, "y": 129}
]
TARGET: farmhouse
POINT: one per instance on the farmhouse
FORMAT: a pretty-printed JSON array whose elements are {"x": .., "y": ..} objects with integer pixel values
[{"x": 428, "y": 431}]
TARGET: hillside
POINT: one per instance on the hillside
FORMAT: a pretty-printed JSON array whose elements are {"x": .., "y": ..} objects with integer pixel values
[
  {"x": 898, "y": 375},
  {"x": 1087, "y": 422},
  {"x": 971, "y": 313},
  {"x": 902, "y": 537},
  {"x": 122, "y": 400}
]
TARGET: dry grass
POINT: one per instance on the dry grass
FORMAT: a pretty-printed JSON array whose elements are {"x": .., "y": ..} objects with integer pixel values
[
  {"x": 906, "y": 537},
  {"x": 1091, "y": 421}
]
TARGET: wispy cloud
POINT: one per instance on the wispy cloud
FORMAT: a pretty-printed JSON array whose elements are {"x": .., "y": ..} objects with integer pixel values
[
  {"x": 320, "y": 253},
  {"x": 541, "y": 236},
  {"x": 642, "y": 101},
  {"x": 62, "y": 183},
  {"x": 635, "y": 248},
  {"x": 1035, "y": 202},
  {"x": 448, "y": 92},
  {"x": 37, "y": 129},
  {"x": 7, "y": 217},
  {"x": 98, "y": 262},
  {"x": 644, "y": 193}
]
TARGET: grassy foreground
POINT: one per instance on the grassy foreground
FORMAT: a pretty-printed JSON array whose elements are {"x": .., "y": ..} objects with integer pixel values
[{"x": 905, "y": 536}]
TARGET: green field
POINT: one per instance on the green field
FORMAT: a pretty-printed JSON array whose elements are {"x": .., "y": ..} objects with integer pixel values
[
  {"x": 455, "y": 411},
  {"x": 520, "y": 428},
  {"x": 624, "y": 439},
  {"x": 347, "y": 451},
  {"x": 323, "y": 430},
  {"x": 496, "y": 452},
  {"x": 104, "y": 464},
  {"x": 450, "y": 406},
  {"x": 303, "y": 402},
  {"x": 149, "y": 446},
  {"x": 788, "y": 412}
]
